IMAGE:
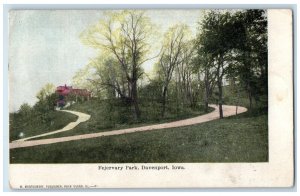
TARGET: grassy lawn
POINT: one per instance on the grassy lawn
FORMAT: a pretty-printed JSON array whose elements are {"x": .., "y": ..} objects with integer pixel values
[
  {"x": 239, "y": 138},
  {"x": 104, "y": 118},
  {"x": 32, "y": 125}
]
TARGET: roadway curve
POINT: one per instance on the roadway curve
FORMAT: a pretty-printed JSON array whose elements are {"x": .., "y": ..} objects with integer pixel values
[{"x": 227, "y": 111}]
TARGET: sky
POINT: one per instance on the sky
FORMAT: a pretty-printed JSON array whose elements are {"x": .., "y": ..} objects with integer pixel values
[{"x": 44, "y": 46}]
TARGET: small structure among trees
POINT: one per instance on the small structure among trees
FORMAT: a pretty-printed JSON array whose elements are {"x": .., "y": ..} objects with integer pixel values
[{"x": 69, "y": 93}]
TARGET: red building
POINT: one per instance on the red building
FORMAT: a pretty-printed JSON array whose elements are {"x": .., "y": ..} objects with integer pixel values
[{"x": 65, "y": 91}]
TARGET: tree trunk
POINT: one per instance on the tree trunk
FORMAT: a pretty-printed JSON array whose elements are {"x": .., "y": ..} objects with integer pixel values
[
  {"x": 206, "y": 104},
  {"x": 247, "y": 64},
  {"x": 137, "y": 112},
  {"x": 206, "y": 99},
  {"x": 220, "y": 77},
  {"x": 238, "y": 100},
  {"x": 236, "y": 104},
  {"x": 250, "y": 101},
  {"x": 249, "y": 97},
  {"x": 206, "y": 91},
  {"x": 220, "y": 97},
  {"x": 164, "y": 97}
]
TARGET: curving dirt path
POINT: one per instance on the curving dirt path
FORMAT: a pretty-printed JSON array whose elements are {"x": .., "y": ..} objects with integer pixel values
[
  {"x": 81, "y": 118},
  {"x": 227, "y": 111}
]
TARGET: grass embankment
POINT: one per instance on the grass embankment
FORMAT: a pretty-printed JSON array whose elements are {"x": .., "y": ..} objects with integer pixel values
[
  {"x": 236, "y": 139},
  {"x": 33, "y": 125},
  {"x": 105, "y": 117}
]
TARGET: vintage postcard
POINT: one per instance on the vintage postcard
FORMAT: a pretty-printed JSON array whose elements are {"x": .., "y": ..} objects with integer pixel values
[{"x": 150, "y": 98}]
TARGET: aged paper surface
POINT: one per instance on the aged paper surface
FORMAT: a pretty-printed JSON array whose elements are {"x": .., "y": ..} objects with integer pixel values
[{"x": 277, "y": 172}]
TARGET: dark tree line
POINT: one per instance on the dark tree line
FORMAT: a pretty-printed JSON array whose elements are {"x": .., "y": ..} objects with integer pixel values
[{"x": 233, "y": 46}]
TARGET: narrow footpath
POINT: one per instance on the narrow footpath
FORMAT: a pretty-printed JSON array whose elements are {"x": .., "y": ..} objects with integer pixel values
[
  {"x": 81, "y": 118},
  {"x": 227, "y": 111}
]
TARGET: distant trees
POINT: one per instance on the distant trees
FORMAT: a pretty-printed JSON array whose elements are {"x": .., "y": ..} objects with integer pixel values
[
  {"x": 46, "y": 98},
  {"x": 25, "y": 109},
  {"x": 40, "y": 113},
  {"x": 46, "y": 91},
  {"x": 25, "y": 112},
  {"x": 46, "y": 103}
]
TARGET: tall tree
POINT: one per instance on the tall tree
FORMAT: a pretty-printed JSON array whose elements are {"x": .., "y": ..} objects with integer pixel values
[
  {"x": 184, "y": 71},
  {"x": 217, "y": 39},
  {"x": 170, "y": 57},
  {"x": 125, "y": 35},
  {"x": 203, "y": 64},
  {"x": 251, "y": 45}
]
